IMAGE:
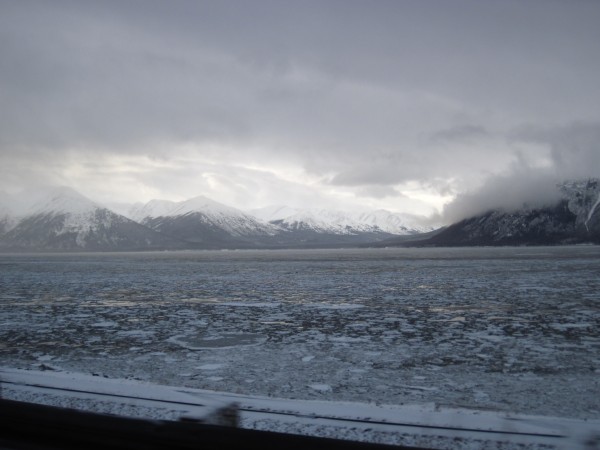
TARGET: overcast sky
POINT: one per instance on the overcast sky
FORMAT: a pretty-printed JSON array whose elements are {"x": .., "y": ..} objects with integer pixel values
[{"x": 411, "y": 106}]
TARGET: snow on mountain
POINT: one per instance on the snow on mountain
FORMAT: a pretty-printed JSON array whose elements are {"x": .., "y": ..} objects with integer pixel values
[
  {"x": 62, "y": 199},
  {"x": 78, "y": 213},
  {"x": 322, "y": 221},
  {"x": 274, "y": 212},
  {"x": 583, "y": 198},
  {"x": 60, "y": 218},
  {"x": 341, "y": 222},
  {"x": 167, "y": 208},
  {"x": 198, "y": 217},
  {"x": 204, "y": 223},
  {"x": 395, "y": 223}
]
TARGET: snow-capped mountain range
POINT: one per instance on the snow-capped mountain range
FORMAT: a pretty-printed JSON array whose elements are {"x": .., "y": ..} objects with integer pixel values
[
  {"x": 341, "y": 222},
  {"x": 205, "y": 210},
  {"x": 59, "y": 218},
  {"x": 202, "y": 222}
]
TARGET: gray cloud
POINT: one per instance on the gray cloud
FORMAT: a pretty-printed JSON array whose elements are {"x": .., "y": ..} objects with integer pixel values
[
  {"x": 360, "y": 96},
  {"x": 573, "y": 152},
  {"x": 508, "y": 192},
  {"x": 461, "y": 133},
  {"x": 574, "y": 148}
]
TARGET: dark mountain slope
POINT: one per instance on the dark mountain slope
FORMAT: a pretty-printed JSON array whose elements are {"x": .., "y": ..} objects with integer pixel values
[{"x": 575, "y": 219}]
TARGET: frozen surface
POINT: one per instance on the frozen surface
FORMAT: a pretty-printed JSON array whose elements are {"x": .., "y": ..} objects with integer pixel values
[{"x": 510, "y": 330}]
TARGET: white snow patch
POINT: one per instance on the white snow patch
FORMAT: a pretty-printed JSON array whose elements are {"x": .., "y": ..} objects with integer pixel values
[{"x": 592, "y": 210}]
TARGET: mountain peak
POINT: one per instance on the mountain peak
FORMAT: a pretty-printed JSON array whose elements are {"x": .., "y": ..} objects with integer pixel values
[
  {"x": 167, "y": 208},
  {"x": 60, "y": 199},
  {"x": 202, "y": 204},
  {"x": 60, "y": 218}
]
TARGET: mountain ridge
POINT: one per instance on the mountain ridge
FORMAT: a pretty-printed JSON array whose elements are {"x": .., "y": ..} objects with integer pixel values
[
  {"x": 341, "y": 222},
  {"x": 61, "y": 219},
  {"x": 204, "y": 222},
  {"x": 574, "y": 219}
]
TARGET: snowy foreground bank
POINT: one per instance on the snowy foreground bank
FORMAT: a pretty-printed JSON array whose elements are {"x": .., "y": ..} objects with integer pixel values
[{"x": 421, "y": 425}]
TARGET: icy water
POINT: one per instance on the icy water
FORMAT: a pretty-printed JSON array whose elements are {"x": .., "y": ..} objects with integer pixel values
[{"x": 511, "y": 329}]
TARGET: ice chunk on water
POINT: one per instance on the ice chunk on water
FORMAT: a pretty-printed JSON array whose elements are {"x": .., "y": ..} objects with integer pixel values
[{"x": 320, "y": 387}]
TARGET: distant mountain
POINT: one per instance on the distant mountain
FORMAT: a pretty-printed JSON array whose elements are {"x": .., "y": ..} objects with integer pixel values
[
  {"x": 62, "y": 219},
  {"x": 583, "y": 200},
  {"x": 323, "y": 227},
  {"x": 204, "y": 223},
  {"x": 574, "y": 219},
  {"x": 341, "y": 222},
  {"x": 328, "y": 228}
]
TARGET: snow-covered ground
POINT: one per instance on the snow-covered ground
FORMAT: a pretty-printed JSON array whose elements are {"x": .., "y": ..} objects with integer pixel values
[
  {"x": 437, "y": 333},
  {"x": 425, "y": 425}
]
